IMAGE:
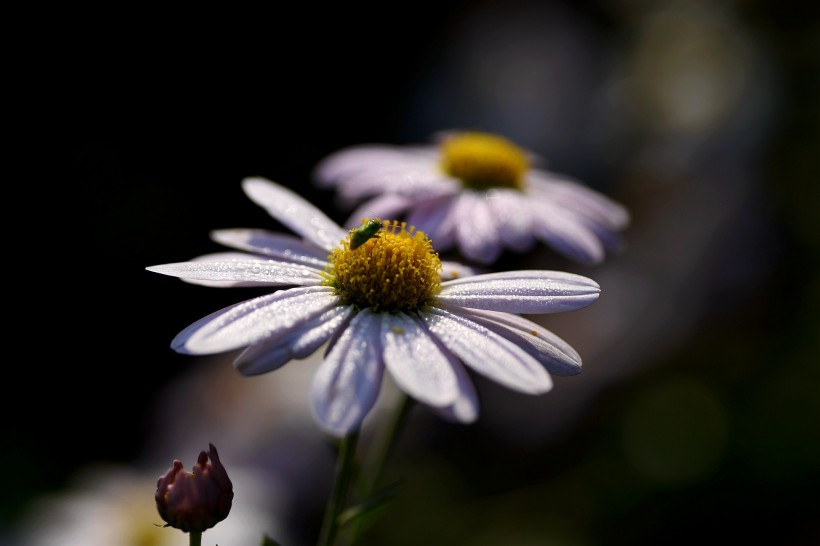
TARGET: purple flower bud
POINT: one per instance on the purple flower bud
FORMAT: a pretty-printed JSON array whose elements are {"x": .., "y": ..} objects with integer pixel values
[{"x": 197, "y": 500}]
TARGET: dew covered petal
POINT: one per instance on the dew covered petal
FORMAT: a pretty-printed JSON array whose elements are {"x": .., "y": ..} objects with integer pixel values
[
  {"x": 557, "y": 356},
  {"x": 528, "y": 291},
  {"x": 295, "y": 212},
  {"x": 253, "y": 320},
  {"x": 465, "y": 407},
  {"x": 282, "y": 247},
  {"x": 270, "y": 354},
  {"x": 487, "y": 352},
  {"x": 241, "y": 269},
  {"x": 347, "y": 383},
  {"x": 227, "y": 257},
  {"x": 415, "y": 362}
]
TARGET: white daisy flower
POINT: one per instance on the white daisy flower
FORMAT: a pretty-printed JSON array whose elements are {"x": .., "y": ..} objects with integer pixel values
[
  {"x": 477, "y": 192},
  {"x": 381, "y": 305}
]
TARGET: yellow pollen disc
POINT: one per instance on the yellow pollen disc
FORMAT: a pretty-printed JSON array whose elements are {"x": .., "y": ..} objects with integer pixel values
[
  {"x": 481, "y": 161},
  {"x": 395, "y": 270}
]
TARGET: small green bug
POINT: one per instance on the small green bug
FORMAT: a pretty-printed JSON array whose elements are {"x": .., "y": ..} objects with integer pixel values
[{"x": 362, "y": 234}]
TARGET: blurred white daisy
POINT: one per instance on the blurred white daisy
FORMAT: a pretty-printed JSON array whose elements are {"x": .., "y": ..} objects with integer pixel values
[
  {"x": 477, "y": 192},
  {"x": 381, "y": 304}
]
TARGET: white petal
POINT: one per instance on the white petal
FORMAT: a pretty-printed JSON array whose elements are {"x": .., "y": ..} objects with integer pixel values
[
  {"x": 435, "y": 218},
  {"x": 532, "y": 292},
  {"x": 568, "y": 234},
  {"x": 340, "y": 165},
  {"x": 247, "y": 270},
  {"x": 347, "y": 383},
  {"x": 227, "y": 257},
  {"x": 367, "y": 170},
  {"x": 513, "y": 218},
  {"x": 386, "y": 206},
  {"x": 294, "y": 211},
  {"x": 248, "y": 322},
  {"x": 476, "y": 231},
  {"x": 550, "y": 350},
  {"x": 465, "y": 407},
  {"x": 488, "y": 353},
  {"x": 415, "y": 361},
  {"x": 275, "y": 245},
  {"x": 270, "y": 354},
  {"x": 417, "y": 179},
  {"x": 571, "y": 194}
]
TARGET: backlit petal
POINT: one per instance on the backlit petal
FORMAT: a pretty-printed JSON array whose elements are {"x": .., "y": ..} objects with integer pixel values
[
  {"x": 270, "y": 354},
  {"x": 579, "y": 198},
  {"x": 386, "y": 206},
  {"x": 248, "y": 322},
  {"x": 416, "y": 363},
  {"x": 465, "y": 408},
  {"x": 238, "y": 270},
  {"x": 282, "y": 247},
  {"x": 488, "y": 353},
  {"x": 532, "y": 292},
  {"x": 550, "y": 350},
  {"x": 436, "y": 218},
  {"x": 513, "y": 218},
  {"x": 294, "y": 211},
  {"x": 567, "y": 234},
  {"x": 347, "y": 383},
  {"x": 477, "y": 234}
]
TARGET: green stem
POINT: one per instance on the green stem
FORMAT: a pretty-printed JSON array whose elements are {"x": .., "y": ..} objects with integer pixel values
[
  {"x": 344, "y": 474},
  {"x": 383, "y": 450},
  {"x": 388, "y": 442},
  {"x": 195, "y": 538}
]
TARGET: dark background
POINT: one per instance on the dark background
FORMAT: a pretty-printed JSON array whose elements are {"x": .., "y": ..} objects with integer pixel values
[{"x": 139, "y": 129}]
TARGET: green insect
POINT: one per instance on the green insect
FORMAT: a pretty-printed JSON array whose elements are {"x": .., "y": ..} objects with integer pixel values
[{"x": 365, "y": 232}]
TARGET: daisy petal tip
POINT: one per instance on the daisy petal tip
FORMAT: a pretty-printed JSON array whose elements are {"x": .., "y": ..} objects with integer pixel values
[
  {"x": 465, "y": 414},
  {"x": 569, "y": 371},
  {"x": 337, "y": 430},
  {"x": 165, "y": 269},
  {"x": 565, "y": 367},
  {"x": 179, "y": 346},
  {"x": 541, "y": 384},
  {"x": 252, "y": 182},
  {"x": 542, "y": 388}
]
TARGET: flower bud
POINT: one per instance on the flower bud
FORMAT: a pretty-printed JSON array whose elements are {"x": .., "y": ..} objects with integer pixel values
[{"x": 197, "y": 500}]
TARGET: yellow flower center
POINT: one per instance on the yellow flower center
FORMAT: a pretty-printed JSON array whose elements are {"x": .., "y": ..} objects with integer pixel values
[
  {"x": 393, "y": 269},
  {"x": 481, "y": 161}
]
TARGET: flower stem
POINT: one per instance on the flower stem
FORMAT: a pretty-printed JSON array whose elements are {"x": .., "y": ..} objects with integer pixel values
[
  {"x": 344, "y": 475},
  {"x": 388, "y": 441},
  {"x": 383, "y": 450},
  {"x": 195, "y": 538}
]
